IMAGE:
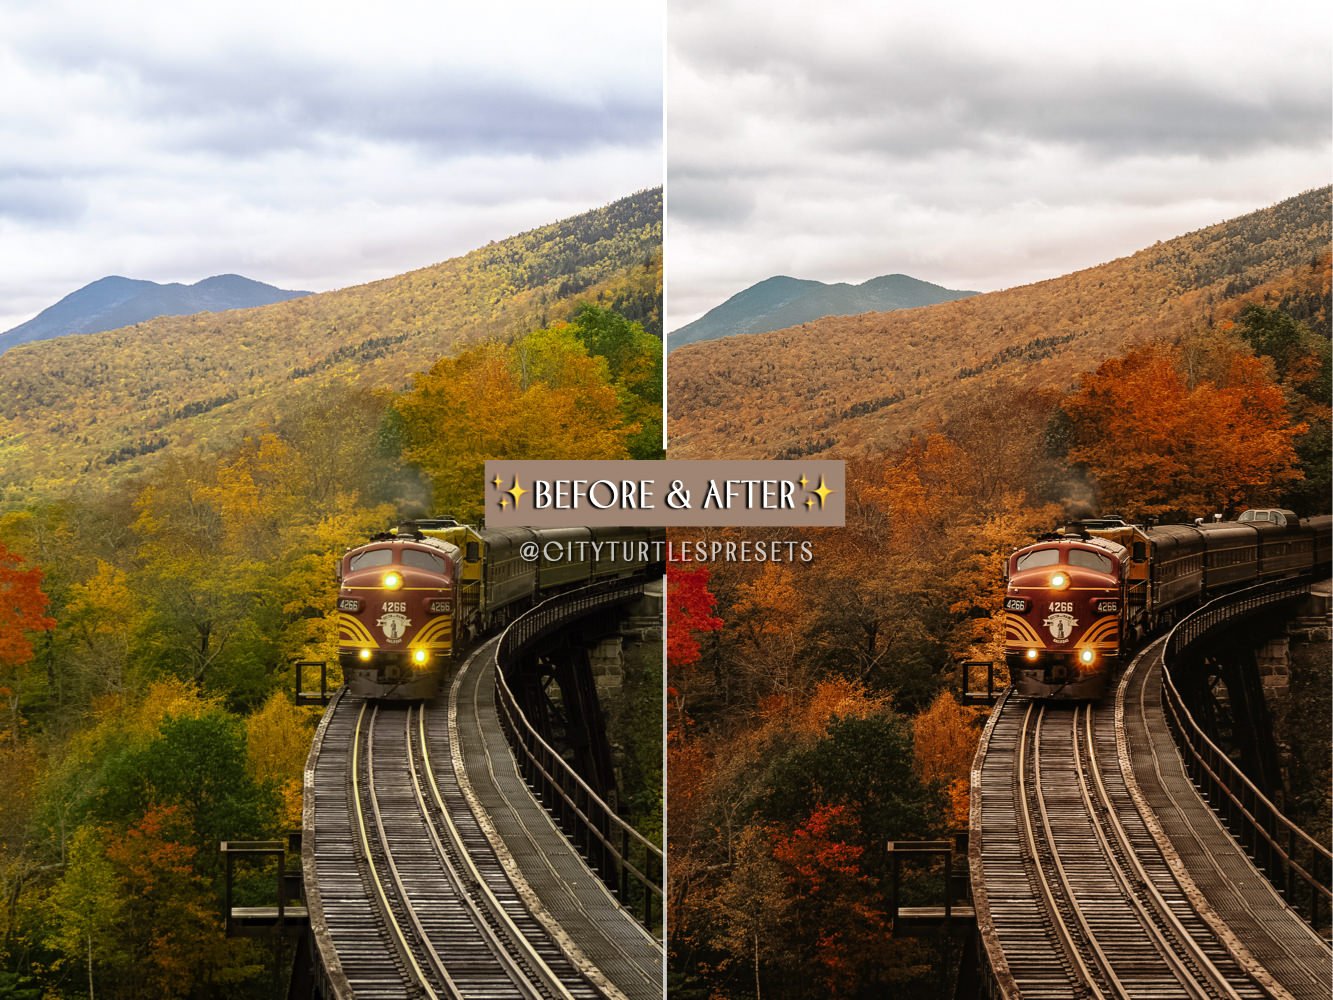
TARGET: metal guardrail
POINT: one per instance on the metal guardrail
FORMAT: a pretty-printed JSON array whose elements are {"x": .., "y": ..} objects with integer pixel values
[
  {"x": 630, "y": 864},
  {"x": 1298, "y": 865},
  {"x": 289, "y": 916}
]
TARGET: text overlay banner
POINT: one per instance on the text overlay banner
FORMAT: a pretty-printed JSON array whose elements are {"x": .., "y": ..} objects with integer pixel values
[{"x": 558, "y": 494}]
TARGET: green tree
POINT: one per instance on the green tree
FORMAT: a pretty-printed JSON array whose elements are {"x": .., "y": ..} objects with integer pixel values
[
  {"x": 86, "y": 907},
  {"x": 200, "y": 764},
  {"x": 865, "y": 764},
  {"x": 635, "y": 361},
  {"x": 1302, "y": 360}
]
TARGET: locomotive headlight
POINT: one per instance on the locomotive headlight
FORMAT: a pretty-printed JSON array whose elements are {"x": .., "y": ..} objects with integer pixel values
[
  {"x": 420, "y": 656},
  {"x": 1059, "y": 581},
  {"x": 1087, "y": 656},
  {"x": 1031, "y": 654},
  {"x": 392, "y": 581},
  {"x": 364, "y": 654}
]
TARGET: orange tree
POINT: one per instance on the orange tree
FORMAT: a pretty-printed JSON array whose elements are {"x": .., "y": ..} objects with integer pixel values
[
  {"x": 22, "y": 612},
  {"x": 1158, "y": 445}
]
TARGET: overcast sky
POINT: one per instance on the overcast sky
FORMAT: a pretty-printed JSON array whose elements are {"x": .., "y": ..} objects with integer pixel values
[
  {"x": 303, "y": 146},
  {"x": 980, "y": 146}
]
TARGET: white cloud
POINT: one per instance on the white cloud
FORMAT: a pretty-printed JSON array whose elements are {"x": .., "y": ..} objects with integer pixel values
[
  {"x": 979, "y": 146},
  {"x": 303, "y": 144}
]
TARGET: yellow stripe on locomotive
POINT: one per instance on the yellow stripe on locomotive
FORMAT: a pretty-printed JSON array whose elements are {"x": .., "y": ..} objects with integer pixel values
[
  {"x": 1018, "y": 632},
  {"x": 351, "y": 632},
  {"x": 437, "y": 636}
]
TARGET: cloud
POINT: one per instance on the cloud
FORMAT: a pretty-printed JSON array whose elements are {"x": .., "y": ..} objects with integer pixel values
[
  {"x": 307, "y": 145},
  {"x": 979, "y": 147}
]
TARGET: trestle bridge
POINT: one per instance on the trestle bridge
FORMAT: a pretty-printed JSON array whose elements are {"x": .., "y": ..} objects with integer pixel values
[
  {"x": 1116, "y": 851},
  {"x": 450, "y": 851}
]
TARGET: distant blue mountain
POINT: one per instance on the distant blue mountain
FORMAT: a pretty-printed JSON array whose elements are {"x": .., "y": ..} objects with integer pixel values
[
  {"x": 113, "y": 302},
  {"x": 779, "y": 302}
]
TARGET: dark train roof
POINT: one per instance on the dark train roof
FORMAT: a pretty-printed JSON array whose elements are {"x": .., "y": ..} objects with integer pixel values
[{"x": 1276, "y": 515}]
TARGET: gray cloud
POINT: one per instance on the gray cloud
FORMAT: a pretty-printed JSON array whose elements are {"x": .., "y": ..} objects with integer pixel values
[
  {"x": 981, "y": 146},
  {"x": 247, "y": 102},
  {"x": 305, "y": 145},
  {"x": 728, "y": 200},
  {"x": 29, "y": 199}
]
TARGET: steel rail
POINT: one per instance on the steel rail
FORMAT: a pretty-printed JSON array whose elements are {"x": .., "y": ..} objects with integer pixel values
[
  {"x": 391, "y": 921},
  {"x": 518, "y": 941},
  {"x": 1072, "y": 950},
  {"x": 1103, "y": 809}
]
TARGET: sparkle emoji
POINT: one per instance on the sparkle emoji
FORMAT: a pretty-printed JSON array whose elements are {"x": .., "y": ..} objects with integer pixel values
[{"x": 822, "y": 491}]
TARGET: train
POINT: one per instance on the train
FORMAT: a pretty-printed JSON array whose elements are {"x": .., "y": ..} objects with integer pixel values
[
  {"x": 1078, "y": 602},
  {"x": 413, "y": 598}
]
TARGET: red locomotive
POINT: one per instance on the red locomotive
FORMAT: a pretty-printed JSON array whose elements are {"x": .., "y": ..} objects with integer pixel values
[
  {"x": 411, "y": 598},
  {"x": 1079, "y": 601}
]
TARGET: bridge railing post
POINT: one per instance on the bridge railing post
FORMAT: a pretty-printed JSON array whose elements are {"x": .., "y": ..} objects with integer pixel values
[
  {"x": 589, "y": 822},
  {"x": 304, "y": 697},
  {"x": 1255, "y": 821},
  {"x": 894, "y": 874}
]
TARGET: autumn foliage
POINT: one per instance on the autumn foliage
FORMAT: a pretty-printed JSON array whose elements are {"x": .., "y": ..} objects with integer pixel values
[
  {"x": 22, "y": 612},
  {"x": 689, "y": 612},
  {"x": 22, "y": 608},
  {"x": 821, "y": 721},
  {"x": 547, "y": 395},
  {"x": 88, "y": 410},
  {"x": 860, "y": 385},
  {"x": 1158, "y": 441}
]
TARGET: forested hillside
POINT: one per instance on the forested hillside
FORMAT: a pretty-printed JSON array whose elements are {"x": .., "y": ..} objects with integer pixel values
[
  {"x": 153, "y": 598},
  {"x": 97, "y": 408},
  {"x": 859, "y": 384},
  {"x": 812, "y": 704}
]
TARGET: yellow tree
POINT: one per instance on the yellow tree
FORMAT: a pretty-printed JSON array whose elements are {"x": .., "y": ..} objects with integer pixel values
[
  {"x": 543, "y": 397},
  {"x": 277, "y": 744}
]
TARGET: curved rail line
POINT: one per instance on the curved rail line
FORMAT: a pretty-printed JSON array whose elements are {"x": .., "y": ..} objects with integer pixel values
[
  {"x": 1078, "y": 898},
  {"x": 416, "y": 902}
]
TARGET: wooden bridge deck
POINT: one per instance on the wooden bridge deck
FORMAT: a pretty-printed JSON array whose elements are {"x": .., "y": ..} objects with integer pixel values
[
  {"x": 1244, "y": 927},
  {"x": 1261, "y": 931},
  {"x": 540, "y": 876},
  {"x": 558, "y": 882}
]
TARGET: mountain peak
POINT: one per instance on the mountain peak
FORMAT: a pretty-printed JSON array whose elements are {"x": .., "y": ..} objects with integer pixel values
[
  {"x": 115, "y": 301},
  {"x": 782, "y": 301}
]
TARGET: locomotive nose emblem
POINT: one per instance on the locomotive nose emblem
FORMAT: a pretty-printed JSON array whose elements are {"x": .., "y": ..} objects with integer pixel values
[
  {"x": 393, "y": 625},
  {"x": 1060, "y": 626}
]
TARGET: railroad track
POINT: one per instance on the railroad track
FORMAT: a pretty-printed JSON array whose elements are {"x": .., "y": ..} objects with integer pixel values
[
  {"x": 413, "y": 898},
  {"x": 1080, "y": 900}
]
